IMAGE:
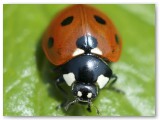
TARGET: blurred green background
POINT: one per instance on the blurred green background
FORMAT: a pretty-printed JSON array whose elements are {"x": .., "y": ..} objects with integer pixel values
[{"x": 26, "y": 93}]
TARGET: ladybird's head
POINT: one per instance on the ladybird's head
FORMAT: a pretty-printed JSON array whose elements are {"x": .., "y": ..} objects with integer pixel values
[{"x": 84, "y": 92}]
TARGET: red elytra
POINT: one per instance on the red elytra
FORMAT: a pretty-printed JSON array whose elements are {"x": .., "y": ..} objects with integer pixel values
[{"x": 59, "y": 41}]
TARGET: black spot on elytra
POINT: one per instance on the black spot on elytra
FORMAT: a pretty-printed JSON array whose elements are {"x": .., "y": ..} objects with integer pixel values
[
  {"x": 100, "y": 20},
  {"x": 67, "y": 21},
  {"x": 50, "y": 42},
  {"x": 117, "y": 38}
]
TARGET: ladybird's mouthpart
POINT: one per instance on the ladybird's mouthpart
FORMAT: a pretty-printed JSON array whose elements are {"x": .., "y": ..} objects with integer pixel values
[{"x": 78, "y": 100}]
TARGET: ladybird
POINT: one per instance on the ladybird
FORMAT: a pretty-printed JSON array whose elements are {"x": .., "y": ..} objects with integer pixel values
[{"x": 82, "y": 42}]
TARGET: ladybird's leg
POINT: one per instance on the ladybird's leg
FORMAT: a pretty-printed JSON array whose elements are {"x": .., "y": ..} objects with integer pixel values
[
  {"x": 113, "y": 81},
  {"x": 59, "y": 81},
  {"x": 89, "y": 108}
]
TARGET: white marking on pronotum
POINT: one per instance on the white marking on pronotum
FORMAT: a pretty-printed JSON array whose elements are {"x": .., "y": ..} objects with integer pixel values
[
  {"x": 96, "y": 51},
  {"x": 102, "y": 81},
  {"x": 89, "y": 95},
  {"x": 78, "y": 52},
  {"x": 79, "y": 93},
  {"x": 69, "y": 78}
]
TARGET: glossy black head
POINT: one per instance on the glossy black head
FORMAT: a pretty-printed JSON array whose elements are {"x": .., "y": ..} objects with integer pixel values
[{"x": 84, "y": 92}]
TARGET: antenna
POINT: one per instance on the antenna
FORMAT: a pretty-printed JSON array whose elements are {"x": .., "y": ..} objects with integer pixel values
[
  {"x": 89, "y": 107},
  {"x": 70, "y": 103}
]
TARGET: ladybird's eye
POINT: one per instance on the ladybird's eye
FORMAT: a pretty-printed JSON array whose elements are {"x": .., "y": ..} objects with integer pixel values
[
  {"x": 50, "y": 42},
  {"x": 99, "y": 20},
  {"x": 116, "y": 38},
  {"x": 67, "y": 21}
]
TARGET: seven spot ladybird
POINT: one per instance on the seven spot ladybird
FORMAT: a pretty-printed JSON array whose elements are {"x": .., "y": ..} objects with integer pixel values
[{"x": 82, "y": 42}]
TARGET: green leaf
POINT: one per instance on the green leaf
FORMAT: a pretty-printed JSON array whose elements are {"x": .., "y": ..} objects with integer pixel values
[{"x": 28, "y": 88}]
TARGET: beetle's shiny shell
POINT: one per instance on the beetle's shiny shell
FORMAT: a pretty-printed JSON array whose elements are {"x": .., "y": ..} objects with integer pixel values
[{"x": 59, "y": 41}]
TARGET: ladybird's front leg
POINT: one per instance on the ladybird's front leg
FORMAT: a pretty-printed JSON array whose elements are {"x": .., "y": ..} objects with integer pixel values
[
  {"x": 58, "y": 83},
  {"x": 89, "y": 108},
  {"x": 112, "y": 81}
]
